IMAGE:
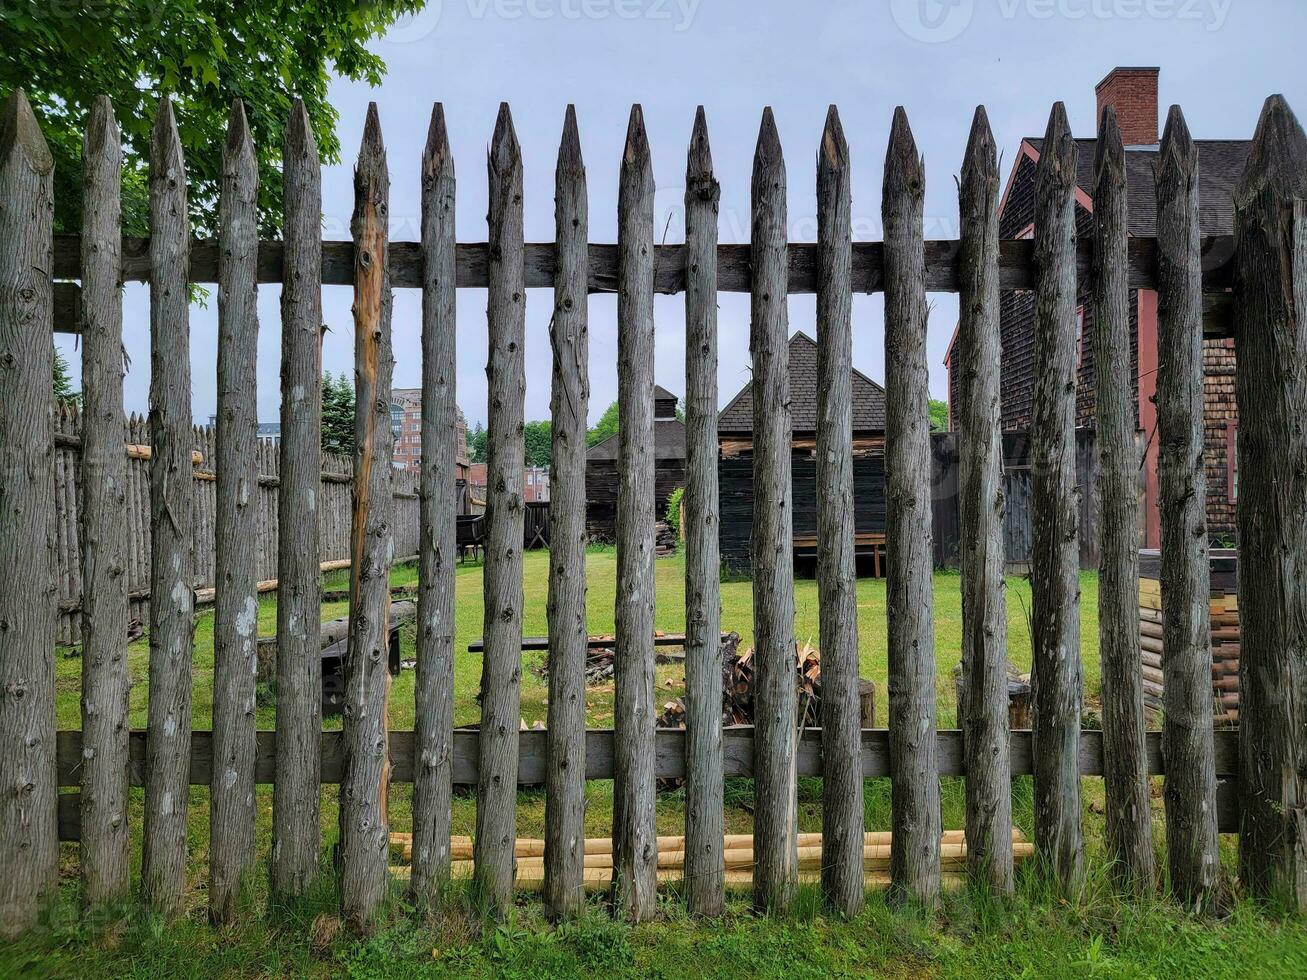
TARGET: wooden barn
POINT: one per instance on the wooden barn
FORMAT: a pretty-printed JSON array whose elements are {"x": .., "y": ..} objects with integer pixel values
[
  {"x": 601, "y": 469},
  {"x": 735, "y": 464}
]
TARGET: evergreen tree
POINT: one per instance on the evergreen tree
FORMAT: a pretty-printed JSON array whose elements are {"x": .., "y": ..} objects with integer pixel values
[
  {"x": 337, "y": 414},
  {"x": 63, "y": 382},
  {"x": 476, "y": 443}
]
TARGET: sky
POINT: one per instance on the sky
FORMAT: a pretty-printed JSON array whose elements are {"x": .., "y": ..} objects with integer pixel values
[{"x": 1219, "y": 60}]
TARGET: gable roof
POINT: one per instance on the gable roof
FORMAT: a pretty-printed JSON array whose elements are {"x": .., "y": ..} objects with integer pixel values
[
  {"x": 868, "y": 397},
  {"x": 669, "y": 442}
]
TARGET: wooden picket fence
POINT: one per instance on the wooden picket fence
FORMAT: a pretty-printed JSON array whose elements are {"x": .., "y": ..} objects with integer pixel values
[{"x": 1252, "y": 284}]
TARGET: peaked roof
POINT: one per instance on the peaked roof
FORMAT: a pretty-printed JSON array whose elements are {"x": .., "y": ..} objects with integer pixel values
[
  {"x": 868, "y": 397},
  {"x": 669, "y": 442}
]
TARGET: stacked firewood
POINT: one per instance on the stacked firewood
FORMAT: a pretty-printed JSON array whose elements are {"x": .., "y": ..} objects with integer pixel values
[{"x": 664, "y": 539}]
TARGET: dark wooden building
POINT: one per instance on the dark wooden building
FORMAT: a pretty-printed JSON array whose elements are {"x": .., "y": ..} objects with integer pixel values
[{"x": 601, "y": 469}]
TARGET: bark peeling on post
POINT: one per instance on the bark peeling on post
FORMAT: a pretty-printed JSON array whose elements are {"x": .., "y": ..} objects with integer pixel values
[
  {"x": 635, "y": 849},
  {"x": 704, "y": 809},
  {"x": 983, "y": 715},
  {"x": 564, "y": 887},
  {"x": 106, "y": 682},
  {"x": 296, "y": 800},
  {"x": 501, "y": 665},
  {"x": 842, "y": 817},
  {"x": 172, "y": 594},
  {"x": 914, "y": 851},
  {"x": 775, "y": 813},
  {"x": 236, "y": 604},
  {"x": 438, "y": 526},
  {"x": 1055, "y": 559},
  {"x": 364, "y": 823},
  {"x": 29, "y": 845},
  {"x": 1190, "y": 788}
]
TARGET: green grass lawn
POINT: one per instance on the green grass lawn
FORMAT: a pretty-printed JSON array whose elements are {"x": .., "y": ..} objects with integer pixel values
[{"x": 1036, "y": 934}]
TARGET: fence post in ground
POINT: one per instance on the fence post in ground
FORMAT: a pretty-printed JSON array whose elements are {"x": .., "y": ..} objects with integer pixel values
[
  {"x": 1125, "y": 772},
  {"x": 569, "y": 406},
  {"x": 296, "y": 797},
  {"x": 364, "y": 824},
  {"x": 983, "y": 715},
  {"x": 635, "y": 850},
  {"x": 501, "y": 663},
  {"x": 433, "y": 758},
  {"x": 236, "y": 604},
  {"x": 172, "y": 493},
  {"x": 1193, "y": 859},
  {"x": 704, "y": 814},
  {"x": 775, "y": 734},
  {"x": 29, "y": 845},
  {"x": 914, "y": 850},
  {"x": 1270, "y": 231},
  {"x": 1055, "y": 586},
  {"x": 106, "y": 683},
  {"x": 842, "y": 815}
]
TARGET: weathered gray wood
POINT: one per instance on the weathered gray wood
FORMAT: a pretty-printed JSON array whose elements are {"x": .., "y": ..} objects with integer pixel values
[
  {"x": 434, "y": 690},
  {"x": 915, "y": 818},
  {"x": 635, "y": 852},
  {"x": 172, "y": 492},
  {"x": 296, "y": 804},
  {"x": 496, "y": 819},
  {"x": 1270, "y": 225},
  {"x": 29, "y": 844},
  {"x": 236, "y": 603},
  {"x": 106, "y": 683},
  {"x": 569, "y": 406},
  {"x": 1055, "y": 585},
  {"x": 704, "y": 809},
  {"x": 842, "y": 815},
  {"x": 1193, "y": 858},
  {"x": 1128, "y": 817},
  {"x": 364, "y": 822},
  {"x": 984, "y": 714},
  {"x": 775, "y": 816}
]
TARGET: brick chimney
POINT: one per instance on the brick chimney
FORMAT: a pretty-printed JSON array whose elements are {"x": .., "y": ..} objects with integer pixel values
[{"x": 1132, "y": 92}]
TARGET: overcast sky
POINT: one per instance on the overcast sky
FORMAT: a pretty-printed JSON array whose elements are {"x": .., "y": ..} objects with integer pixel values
[{"x": 1219, "y": 59}]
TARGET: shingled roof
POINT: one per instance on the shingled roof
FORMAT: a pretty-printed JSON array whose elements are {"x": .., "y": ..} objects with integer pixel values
[
  {"x": 868, "y": 397},
  {"x": 669, "y": 442}
]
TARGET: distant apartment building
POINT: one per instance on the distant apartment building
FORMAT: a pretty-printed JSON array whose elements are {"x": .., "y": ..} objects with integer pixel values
[
  {"x": 535, "y": 483},
  {"x": 406, "y": 423}
]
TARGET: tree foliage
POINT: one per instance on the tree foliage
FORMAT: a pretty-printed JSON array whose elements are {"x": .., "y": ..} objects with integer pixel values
[
  {"x": 63, "y": 382},
  {"x": 605, "y": 427},
  {"x": 337, "y": 414},
  {"x": 938, "y": 410},
  {"x": 476, "y": 443},
  {"x": 539, "y": 443},
  {"x": 203, "y": 53}
]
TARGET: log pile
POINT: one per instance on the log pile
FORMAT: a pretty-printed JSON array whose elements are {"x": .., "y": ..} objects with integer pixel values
[
  {"x": 664, "y": 539},
  {"x": 1225, "y": 631}
]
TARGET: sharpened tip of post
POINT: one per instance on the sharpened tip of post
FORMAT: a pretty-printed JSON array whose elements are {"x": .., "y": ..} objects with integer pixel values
[
  {"x": 371, "y": 129},
  {"x": 834, "y": 147},
  {"x": 20, "y": 133},
  {"x": 299, "y": 133},
  {"x": 504, "y": 150},
  {"x": 238, "y": 131},
  {"x": 981, "y": 158},
  {"x": 1278, "y": 154},
  {"x": 1109, "y": 150},
  {"x": 902, "y": 161},
  {"x": 769, "y": 139},
  {"x": 101, "y": 125},
  {"x": 436, "y": 155},
  {"x": 1177, "y": 148},
  {"x": 1058, "y": 127},
  {"x": 165, "y": 141},
  {"x": 637, "y": 140},
  {"x": 699, "y": 159},
  {"x": 1058, "y": 155},
  {"x": 569, "y": 147}
]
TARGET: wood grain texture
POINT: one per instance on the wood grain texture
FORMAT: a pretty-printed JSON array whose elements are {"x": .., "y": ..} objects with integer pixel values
[
  {"x": 236, "y": 604},
  {"x": 984, "y": 713},
  {"x": 914, "y": 863},
  {"x": 1055, "y": 584},
  {"x": 1128, "y": 814},
  {"x": 1193, "y": 856},
  {"x": 842, "y": 814},
  {"x": 296, "y": 804},
  {"x": 1270, "y": 224},
  {"x": 569, "y": 406},
  {"x": 362, "y": 854},
  {"x": 704, "y": 810},
  {"x": 496, "y": 816},
  {"x": 29, "y": 849},
  {"x": 106, "y": 682},
  {"x": 172, "y": 598},
  {"x": 437, "y": 553}
]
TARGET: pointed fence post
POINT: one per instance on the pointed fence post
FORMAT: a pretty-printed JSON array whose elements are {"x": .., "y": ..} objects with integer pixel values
[
  {"x": 106, "y": 682},
  {"x": 433, "y": 758},
  {"x": 236, "y": 604},
  {"x": 364, "y": 823},
  {"x": 635, "y": 849},
  {"x": 983, "y": 716},
  {"x": 1055, "y": 582},
  {"x": 172, "y": 492},
  {"x": 29, "y": 845},
  {"x": 915, "y": 817},
  {"x": 501, "y": 663},
  {"x": 1270, "y": 232},
  {"x": 842, "y": 817},
  {"x": 1193, "y": 856}
]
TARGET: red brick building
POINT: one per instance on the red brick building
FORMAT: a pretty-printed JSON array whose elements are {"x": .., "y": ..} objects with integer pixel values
[
  {"x": 1132, "y": 92},
  {"x": 406, "y": 423}
]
